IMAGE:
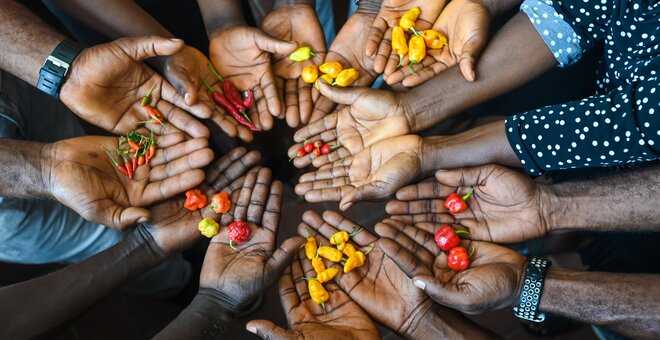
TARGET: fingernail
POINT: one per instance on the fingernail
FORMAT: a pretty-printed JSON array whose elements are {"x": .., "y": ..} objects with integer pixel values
[
  {"x": 175, "y": 40},
  {"x": 186, "y": 97},
  {"x": 419, "y": 284},
  {"x": 142, "y": 219},
  {"x": 251, "y": 329}
]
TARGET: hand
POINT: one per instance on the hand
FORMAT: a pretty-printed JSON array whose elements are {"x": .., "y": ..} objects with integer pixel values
[
  {"x": 373, "y": 173},
  {"x": 391, "y": 11},
  {"x": 506, "y": 205},
  {"x": 466, "y": 24},
  {"x": 172, "y": 225},
  {"x": 347, "y": 50},
  {"x": 296, "y": 23},
  {"x": 343, "y": 318},
  {"x": 185, "y": 70},
  {"x": 240, "y": 275},
  {"x": 83, "y": 178},
  {"x": 384, "y": 291},
  {"x": 491, "y": 281},
  {"x": 107, "y": 82},
  {"x": 371, "y": 116},
  {"x": 241, "y": 53}
]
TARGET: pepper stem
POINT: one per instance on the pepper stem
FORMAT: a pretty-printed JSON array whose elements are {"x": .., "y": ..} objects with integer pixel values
[
  {"x": 400, "y": 61},
  {"x": 357, "y": 231},
  {"x": 207, "y": 85},
  {"x": 471, "y": 252},
  {"x": 335, "y": 147},
  {"x": 410, "y": 67},
  {"x": 465, "y": 198},
  {"x": 324, "y": 312},
  {"x": 415, "y": 32},
  {"x": 373, "y": 245},
  {"x": 215, "y": 72},
  {"x": 107, "y": 152},
  {"x": 231, "y": 244},
  {"x": 463, "y": 232}
]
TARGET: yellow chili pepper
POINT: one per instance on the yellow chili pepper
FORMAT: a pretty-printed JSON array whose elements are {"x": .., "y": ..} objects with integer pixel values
[
  {"x": 330, "y": 254},
  {"x": 318, "y": 293},
  {"x": 339, "y": 237},
  {"x": 310, "y": 248},
  {"x": 417, "y": 51},
  {"x": 354, "y": 261},
  {"x": 327, "y": 275},
  {"x": 434, "y": 39},
  {"x": 318, "y": 265},
  {"x": 331, "y": 68},
  {"x": 346, "y": 77},
  {"x": 347, "y": 249},
  {"x": 399, "y": 43},
  {"x": 310, "y": 74},
  {"x": 301, "y": 54},
  {"x": 208, "y": 227},
  {"x": 408, "y": 20},
  {"x": 328, "y": 79}
]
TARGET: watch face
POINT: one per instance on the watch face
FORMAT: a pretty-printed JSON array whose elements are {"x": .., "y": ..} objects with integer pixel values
[{"x": 534, "y": 271}]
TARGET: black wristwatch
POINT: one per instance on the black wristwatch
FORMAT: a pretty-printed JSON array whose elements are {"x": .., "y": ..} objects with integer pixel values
[
  {"x": 56, "y": 67},
  {"x": 530, "y": 294}
]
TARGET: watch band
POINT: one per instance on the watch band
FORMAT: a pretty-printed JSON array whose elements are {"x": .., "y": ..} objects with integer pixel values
[
  {"x": 56, "y": 67},
  {"x": 530, "y": 295}
]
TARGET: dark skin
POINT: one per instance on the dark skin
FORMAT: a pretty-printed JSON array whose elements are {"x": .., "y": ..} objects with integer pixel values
[{"x": 342, "y": 318}]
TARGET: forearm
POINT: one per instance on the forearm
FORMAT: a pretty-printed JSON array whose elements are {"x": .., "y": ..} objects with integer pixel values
[
  {"x": 369, "y": 6},
  {"x": 25, "y": 41},
  {"x": 218, "y": 14},
  {"x": 205, "y": 318},
  {"x": 35, "y": 307},
  {"x": 443, "y": 323},
  {"x": 280, "y": 3},
  {"x": 23, "y": 167},
  {"x": 481, "y": 145},
  {"x": 514, "y": 56},
  {"x": 625, "y": 201},
  {"x": 626, "y": 303},
  {"x": 498, "y": 7}
]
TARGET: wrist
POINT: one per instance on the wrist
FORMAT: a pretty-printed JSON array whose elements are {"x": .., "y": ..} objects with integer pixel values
[
  {"x": 554, "y": 209},
  {"x": 282, "y": 3},
  {"x": 217, "y": 27},
  {"x": 370, "y": 7},
  {"x": 45, "y": 168},
  {"x": 442, "y": 323}
]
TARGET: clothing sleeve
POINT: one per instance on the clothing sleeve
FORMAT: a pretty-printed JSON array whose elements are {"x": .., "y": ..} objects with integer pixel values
[{"x": 616, "y": 128}]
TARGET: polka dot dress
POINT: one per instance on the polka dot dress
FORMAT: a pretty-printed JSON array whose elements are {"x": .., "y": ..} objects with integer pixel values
[{"x": 619, "y": 124}]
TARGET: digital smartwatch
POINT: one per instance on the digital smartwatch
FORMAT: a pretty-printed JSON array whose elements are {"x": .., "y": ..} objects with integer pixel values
[
  {"x": 56, "y": 67},
  {"x": 530, "y": 295}
]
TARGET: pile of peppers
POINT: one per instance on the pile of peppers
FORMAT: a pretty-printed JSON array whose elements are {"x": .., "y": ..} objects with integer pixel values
[
  {"x": 447, "y": 238},
  {"x": 416, "y": 46},
  {"x": 237, "y": 231},
  {"x": 354, "y": 259},
  {"x": 231, "y": 100},
  {"x": 332, "y": 72},
  {"x": 132, "y": 151},
  {"x": 317, "y": 148}
]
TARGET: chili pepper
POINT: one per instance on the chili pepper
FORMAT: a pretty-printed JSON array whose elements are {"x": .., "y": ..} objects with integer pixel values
[
  {"x": 318, "y": 265},
  {"x": 133, "y": 144},
  {"x": 447, "y": 238},
  {"x": 328, "y": 79},
  {"x": 156, "y": 116},
  {"x": 316, "y": 152},
  {"x": 220, "y": 203},
  {"x": 327, "y": 275},
  {"x": 346, "y": 77},
  {"x": 238, "y": 232},
  {"x": 301, "y": 54},
  {"x": 318, "y": 293},
  {"x": 354, "y": 261},
  {"x": 249, "y": 100},
  {"x": 310, "y": 74},
  {"x": 135, "y": 164},
  {"x": 146, "y": 100},
  {"x": 231, "y": 93},
  {"x": 434, "y": 39},
  {"x": 407, "y": 21},
  {"x": 309, "y": 147},
  {"x": 331, "y": 68},
  {"x": 195, "y": 199},
  {"x": 311, "y": 248},
  {"x": 458, "y": 258},
  {"x": 456, "y": 204},
  {"x": 119, "y": 167},
  {"x": 318, "y": 143},
  {"x": 346, "y": 248},
  {"x": 141, "y": 160},
  {"x": 399, "y": 43},
  {"x": 326, "y": 149},
  {"x": 152, "y": 151},
  {"x": 330, "y": 253},
  {"x": 416, "y": 51},
  {"x": 208, "y": 227},
  {"x": 343, "y": 236},
  {"x": 223, "y": 102},
  {"x": 128, "y": 166}
]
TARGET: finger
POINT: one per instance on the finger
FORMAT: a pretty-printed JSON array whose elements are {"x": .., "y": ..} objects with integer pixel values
[
  {"x": 291, "y": 103},
  {"x": 464, "y": 177},
  {"x": 260, "y": 194},
  {"x": 384, "y": 52},
  {"x": 317, "y": 225},
  {"x": 344, "y": 95},
  {"x": 263, "y": 116},
  {"x": 423, "y": 74},
  {"x": 421, "y": 218},
  {"x": 243, "y": 202},
  {"x": 164, "y": 189},
  {"x": 395, "y": 65},
  {"x": 375, "y": 36},
  {"x": 331, "y": 173},
  {"x": 226, "y": 124},
  {"x": 273, "y": 96},
  {"x": 363, "y": 238},
  {"x": 297, "y": 275},
  {"x": 332, "y": 157},
  {"x": 171, "y": 153},
  {"x": 230, "y": 167},
  {"x": 322, "y": 108},
  {"x": 305, "y": 102},
  {"x": 171, "y": 95},
  {"x": 228, "y": 217},
  {"x": 282, "y": 257},
  {"x": 403, "y": 258},
  {"x": 183, "y": 84},
  {"x": 195, "y": 160},
  {"x": 287, "y": 290},
  {"x": 140, "y": 48},
  {"x": 471, "y": 49},
  {"x": 445, "y": 294},
  {"x": 415, "y": 207},
  {"x": 221, "y": 165},
  {"x": 275, "y": 46},
  {"x": 418, "y": 241},
  {"x": 315, "y": 128},
  {"x": 125, "y": 217},
  {"x": 268, "y": 330},
  {"x": 430, "y": 189},
  {"x": 365, "y": 192},
  {"x": 271, "y": 216},
  {"x": 182, "y": 120},
  {"x": 279, "y": 86}
]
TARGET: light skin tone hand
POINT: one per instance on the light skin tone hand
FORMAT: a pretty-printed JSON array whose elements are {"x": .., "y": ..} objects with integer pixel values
[
  {"x": 106, "y": 84},
  {"x": 243, "y": 55},
  {"x": 298, "y": 23},
  {"x": 491, "y": 281},
  {"x": 379, "y": 42},
  {"x": 466, "y": 38},
  {"x": 173, "y": 226},
  {"x": 370, "y": 116},
  {"x": 506, "y": 205},
  {"x": 373, "y": 173},
  {"x": 83, "y": 178},
  {"x": 342, "y": 319}
]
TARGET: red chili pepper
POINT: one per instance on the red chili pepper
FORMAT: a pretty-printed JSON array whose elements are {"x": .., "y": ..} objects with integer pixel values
[
  {"x": 128, "y": 166},
  {"x": 119, "y": 167},
  {"x": 309, "y": 147},
  {"x": 318, "y": 144},
  {"x": 317, "y": 152},
  {"x": 231, "y": 93},
  {"x": 458, "y": 258},
  {"x": 249, "y": 100},
  {"x": 152, "y": 151},
  {"x": 238, "y": 232},
  {"x": 135, "y": 164},
  {"x": 447, "y": 238},
  {"x": 223, "y": 102},
  {"x": 155, "y": 115},
  {"x": 133, "y": 145},
  {"x": 456, "y": 204},
  {"x": 195, "y": 199},
  {"x": 141, "y": 159}
]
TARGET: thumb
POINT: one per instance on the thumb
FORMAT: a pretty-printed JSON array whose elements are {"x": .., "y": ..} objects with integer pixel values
[
  {"x": 267, "y": 330},
  {"x": 346, "y": 96},
  {"x": 470, "y": 52},
  {"x": 282, "y": 257},
  {"x": 125, "y": 217},
  {"x": 362, "y": 193},
  {"x": 183, "y": 84},
  {"x": 460, "y": 177},
  {"x": 269, "y": 44},
  {"x": 140, "y": 48},
  {"x": 435, "y": 289}
]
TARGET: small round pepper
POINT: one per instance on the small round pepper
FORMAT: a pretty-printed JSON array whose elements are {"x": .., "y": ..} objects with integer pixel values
[
  {"x": 330, "y": 254},
  {"x": 327, "y": 275},
  {"x": 220, "y": 203},
  {"x": 301, "y": 54},
  {"x": 331, "y": 68},
  {"x": 328, "y": 79},
  {"x": 238, "y": 232},
  {"x": 407, "y": 21},
  {"x": 416, "y": 51},
  {"x": 354, "y": 261},
  {"x": 434, "y": 39},
  {"x": 456, "y": 204},
  {"x": 318, "y": 265},
  {"x": 208, "y": 227},
  {"x": 458, "y": 258},
  {"x": 399, "y": 43},
  {"x": 195, "y": 199},
  {"x": 310, "y": 74},
  {"x": 311, "y": 248},
  {"x": 346, "y": 77},
  {"x": 447, "y": 238},
  {"x": 318, "y": 293}
]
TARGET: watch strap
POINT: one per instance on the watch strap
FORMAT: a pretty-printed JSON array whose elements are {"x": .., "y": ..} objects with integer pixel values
[
  {"x": 56, "y": 67},
  {"x": 530, "y": 295}
]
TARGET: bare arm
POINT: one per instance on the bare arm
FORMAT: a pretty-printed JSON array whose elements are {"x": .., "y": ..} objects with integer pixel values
[
  {"x": 218, "y": 14},
  {"x": 22, "y": 164}
]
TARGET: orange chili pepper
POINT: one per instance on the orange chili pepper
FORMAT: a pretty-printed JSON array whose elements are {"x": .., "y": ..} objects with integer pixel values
[
  {"x": 195, "y": 199},
  {"x": 434, "y": 39},
  {"x": 220, "y": 203},
  {"x": 331, "y": 68},
  {"x": 310, "y": 74}
]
